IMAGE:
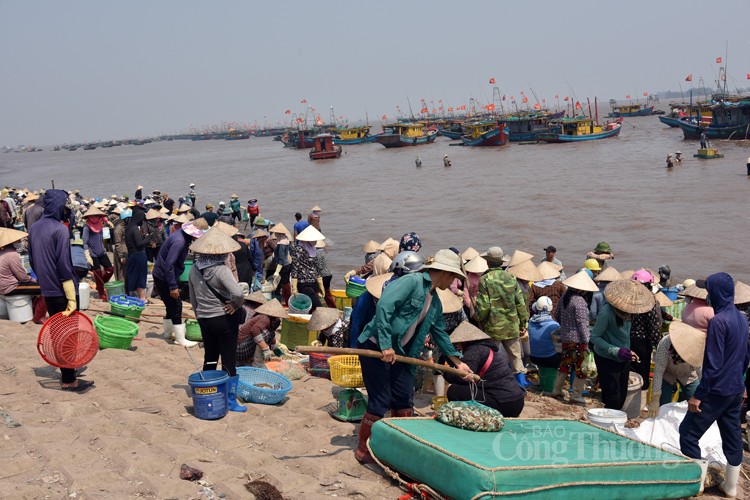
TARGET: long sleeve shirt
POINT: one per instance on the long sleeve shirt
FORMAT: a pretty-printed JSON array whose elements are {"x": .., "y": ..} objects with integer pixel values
[
  {"x": 304, "y": 267},
  {"x": 665, "y": 368},
  {"x": 93, "y": 242},
  {"x": 11, "y": 270},
  {"x": 607, "y": 336},
  {"x": 574, "y": 320},
  {"x": 170, "y": 263},
  {"x": 500, "y": 305},
  {"x": 697, "y": 314},
  {"x": 204, "y": 302}
]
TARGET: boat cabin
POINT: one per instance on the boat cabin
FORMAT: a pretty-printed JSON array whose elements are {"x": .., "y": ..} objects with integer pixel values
[
  {"x": 405, "y": 129},
  {"x": 475, "y": 130},
  {"x": 324, "y": 148},
  {"x": 579, "y": 126},
  {"x": 354, "y": 133}
]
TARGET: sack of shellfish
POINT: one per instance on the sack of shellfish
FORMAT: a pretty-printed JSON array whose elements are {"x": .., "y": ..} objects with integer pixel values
[{"x": 471, "y": 416}]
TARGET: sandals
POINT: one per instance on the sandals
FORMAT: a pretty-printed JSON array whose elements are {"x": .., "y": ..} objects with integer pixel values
[{"x": 77, "y": 386}]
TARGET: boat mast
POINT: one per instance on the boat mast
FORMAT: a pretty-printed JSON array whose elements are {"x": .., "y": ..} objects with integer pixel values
[
  {"x": 411, "y": 113},
  {"x": 333, "y": 117}
]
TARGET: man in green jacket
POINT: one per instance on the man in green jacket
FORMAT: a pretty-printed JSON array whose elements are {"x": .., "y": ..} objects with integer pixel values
[{"x": 501, "y": 309}]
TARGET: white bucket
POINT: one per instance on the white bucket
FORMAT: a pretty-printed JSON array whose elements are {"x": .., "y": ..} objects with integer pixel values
[
  {"x": 84, "y": 295},
  {"x": 149, "y": 284},
  {"x": 632, "y": 405},
  {"x": 3, "y": 308},
  {"x": 606, "y": 418},
  {"x": 19, "y": 308}
]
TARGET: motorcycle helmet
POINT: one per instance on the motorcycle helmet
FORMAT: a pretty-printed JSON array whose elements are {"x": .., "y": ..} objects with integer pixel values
[{"x": 406, "y": 262}]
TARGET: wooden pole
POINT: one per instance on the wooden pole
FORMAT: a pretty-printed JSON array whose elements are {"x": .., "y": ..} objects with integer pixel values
[{"x": 378, "y": 355}]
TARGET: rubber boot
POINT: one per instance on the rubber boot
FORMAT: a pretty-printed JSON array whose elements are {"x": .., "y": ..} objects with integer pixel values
[
  {"x": 644, "y": 399},
  {"x": 704, "y": 469},
  {"x": 576, "y": 397},
  {"x": 179, "y": 336},
  {"x": 40, "y": 309},
  {"x": 168, "y": 329},
  {"x": 99, "y": 283},
  {"x": 729, "y": 486},
  {"x": 521, "y": 379},
  {"x": 439, "y": 383},
  {"x": 286, "y": 292},
  {"x": 559, "y": 383},
  {"x": 406, "y": 412},
  {"x": 232, "y": 395},
  {"x": 362, "y": 454},
  {"x": 330, "y": 301},
  {"x": 106, "y": 276}
]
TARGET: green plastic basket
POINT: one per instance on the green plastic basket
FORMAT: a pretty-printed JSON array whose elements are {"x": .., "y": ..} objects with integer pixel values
[
  {"x": 114, "y": 288},
  {"x": 115, "y": 333},
  {"x": 193, "y": 331},
  {"x": 128, "y": 312}
]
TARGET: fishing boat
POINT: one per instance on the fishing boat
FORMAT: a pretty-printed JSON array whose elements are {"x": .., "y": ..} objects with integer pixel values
[
  {"x": 730, "y": 119},
  {"x": 298, "y": 139},
  {"x": 699, "y": 112},
  {"x": 237, "y": 136},
  {"x": 628, "y": 110},
  {"x": 354, "y": 135},
  {"x": 90, "y": 146},
  {"x": 486, "y": 133},
  {"x": 524, "y": 127},
  {"x": 324, "y": 148},
  {"x": 579, "y": 128},
  {"x": 398, "y": 135},
  {"x": 708, "y": 154}
]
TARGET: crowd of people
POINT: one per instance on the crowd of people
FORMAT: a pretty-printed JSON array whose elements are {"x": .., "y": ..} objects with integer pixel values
[{"x": 490, "y": 314}]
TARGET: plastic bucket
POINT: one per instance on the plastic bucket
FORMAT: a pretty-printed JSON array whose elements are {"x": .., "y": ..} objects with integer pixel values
[
  {"x": 209, "y": 391},
  {"x": 149, "y": 284},
  {"x": 606, "y": 418},
  {"x": 547, "y": 378},
  {"x": 632, "y": 405},
  {"x": 185, "y": 276},
  {"x": 84, "y": 296},
  {"x": 114, "y": 288},
  {"x": 3, "y": 308},
  {"x": 299, "y": 303},
  {"x": 19, "y": 308},
  {"x": 670, "y": 292}
]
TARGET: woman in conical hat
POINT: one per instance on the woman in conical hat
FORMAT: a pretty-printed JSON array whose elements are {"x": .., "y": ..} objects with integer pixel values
[
  {"x": 305, "y": 275},
  {"x": 697, "y": 312},
  {"x": 257, "y": 336},
  {"x": 93, "y": 246},
  {"x": 14, "y": 280},
  {"x": 645, "y": 330}
]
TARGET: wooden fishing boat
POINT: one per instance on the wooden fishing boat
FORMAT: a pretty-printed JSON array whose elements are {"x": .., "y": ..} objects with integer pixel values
[
  {"x": 453, "y": 129},
  {"x": 90, "y": 146},
  {"x": 237, "y": 136},
  {"x": 628, "y": 110},
  {"x": 579, "y": 129},
  {"x": 487, "y": 133},
  {"x": 730, "y": 119},
  {"x": 298, "y": 139},
  {"x": 354, "y": 135},
  {"x": 524, "y": 127},
  {"x": 324, "y": 148},
  {"x": 398, "y": 135}
]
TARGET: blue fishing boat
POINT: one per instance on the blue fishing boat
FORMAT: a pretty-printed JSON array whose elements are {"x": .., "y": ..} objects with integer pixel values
[
  {"x": 452, "y": 130},
  {"x": 299, "y": 139},
  {"x": 629, "y": 110},
  {"x": 354, "y": 135},
  {"x": 488, "y": 133},
  {"x": 524, "y": 127},
  {"x": 730, "y": 119},
  {"x": 579, "y": 129},
  {"x": 398, "y": 135}
]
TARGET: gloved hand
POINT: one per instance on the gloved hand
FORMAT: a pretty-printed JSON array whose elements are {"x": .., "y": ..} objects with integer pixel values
[
  {"x": 349, "y": 275},
  {"x": 278, "y": 270},
  {"x": 294, "y": 285},
  {"x": 70, "y": 293},
  {"x": 267, "y": 354},
  {"x": 278, "y": 352},
  {"x": 321, "y": 287},
  {"x": 653, "y": 406},
  {"x": 625, "y": 354},
  {"x": 87, "y": 254}
]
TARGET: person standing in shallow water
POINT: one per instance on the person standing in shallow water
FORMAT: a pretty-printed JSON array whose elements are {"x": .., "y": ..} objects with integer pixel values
[{"x": 446, "y": 161}]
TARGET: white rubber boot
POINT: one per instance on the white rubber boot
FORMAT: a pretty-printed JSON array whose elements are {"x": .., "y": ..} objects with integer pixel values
[
  {"x": 644, "y": 399},
  {"x": 729, "y": 486},
  {"x": 168, "y": 329},
  {"x": 559, "y": 383},
  {"x": 179, "y": 336},
  {"x": 704, "y": 469},
  {"x": 576, "y": 397},
  {"x": 439, "y": 382}
]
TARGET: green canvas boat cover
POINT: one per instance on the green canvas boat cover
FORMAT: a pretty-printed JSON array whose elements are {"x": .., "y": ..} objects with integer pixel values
[{"x": 533, "y": 459}]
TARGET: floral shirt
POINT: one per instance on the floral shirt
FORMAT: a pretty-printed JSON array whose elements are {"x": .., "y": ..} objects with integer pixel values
[
  {"x": 647, "y": 326},
  {"x": 304, "y": 267},
  {"x": 322, "y": 262}
]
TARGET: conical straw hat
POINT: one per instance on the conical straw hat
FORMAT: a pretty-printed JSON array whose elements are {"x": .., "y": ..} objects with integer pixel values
[
  {"x": 519, "y": 257},
  {"x": 214, "y": 242},
  {"x": 390, "y": 247},
  {"x": 374, "y": 284},
  {"x": 280, "y": 229},
  {"x": 629, "y": 296},
  {"x": 700, "y": 293},
  {"x": 451, "y": 302},
  {"x": 466, "y": 332},
  {"x": 582, "y": 281},
  {"x": 469, "y": 254},
  {"x": 259, "y": 233},
  {"x": 181, "y": 219},
  {"x": 477, "y": 265},
  {"x": 689, "y": 342},
  {"x": 626, "y": 275},
  {"x": 310, "y": 234},
  {"x": 322, "y": 318},
  {"x": 741, "y": 293},
  {"x": 257, "y": 297},
  {"x": 201, "y": 223},
  {"x": 381, "y": 264},
  {"x": 183, "y": 208},
  {"x": 153, "y": 214},
  {"x": 93, "y": 211},
  {"x": 320, "y": 244},
  {"x": 227, "y": 229},
  {"x": 526, "y": 270},
  {"x": 9, "y": 236},
  {"x": 663, "y": 300},
  {"x": 272, "y": 308},
  {"x": 371, "y": 247},
  {"x": 609, "y": 274},
  {"x": 316, "y": 208},
  {"x": 548, "y": 270}
]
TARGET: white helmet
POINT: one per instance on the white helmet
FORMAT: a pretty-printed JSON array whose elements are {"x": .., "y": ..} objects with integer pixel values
[
  {"x": 543, "y": 303},
  {"x": 221, "y": 204}
]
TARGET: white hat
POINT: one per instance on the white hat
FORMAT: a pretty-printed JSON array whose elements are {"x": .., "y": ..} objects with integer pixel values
[
  {"x": 310, "y": 234},
  {"x": 445, "y": 260}
]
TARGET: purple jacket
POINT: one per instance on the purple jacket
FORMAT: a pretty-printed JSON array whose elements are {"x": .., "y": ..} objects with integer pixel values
[
  {"x": 170, "y": 263},
  {"x": 49, "y": 246},
  {"x": 726, "y": 356}
]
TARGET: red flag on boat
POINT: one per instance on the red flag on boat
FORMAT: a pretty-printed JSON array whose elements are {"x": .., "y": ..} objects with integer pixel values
[
  {"x": 645, "y": 94},
  {"x": 627, "y": 97},
  {"x": 689, "y": 78},
  {"x": 288, "y": 112},
  {"x": 557, "y": 96},
  {"x": 425, "y": 110},
  {"x": 463, "y": 108},
  {"x": 299, "y": 120},
  {"x": 525, "y": 99},
  {"x": 441, "y": 108},
  {"x": 490, "y": 107},
  {"x": 748, "y": 76},
  {"x": 492, "y": 81},
  {"x": 578, "y": 104},
  {"x": 384, "y": 117},
  {"x": 718, "y": 60},
  {"x": 303, "y": 101},
  {"x": 544, "y": 101},
  {"x": 537, "y": 106},
  {"x": 566, "y": 99},
  {"x": 511, "y": 98},
  {"x": 440, "y": 101}
]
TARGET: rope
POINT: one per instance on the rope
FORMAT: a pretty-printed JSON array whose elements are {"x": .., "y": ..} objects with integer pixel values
[{"x": 423, "y": 490}]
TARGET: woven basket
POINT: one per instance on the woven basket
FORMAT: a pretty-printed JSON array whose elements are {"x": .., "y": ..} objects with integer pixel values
[
  {"x": 346, "y": 371},
  {"x": 252, "y": 393}
]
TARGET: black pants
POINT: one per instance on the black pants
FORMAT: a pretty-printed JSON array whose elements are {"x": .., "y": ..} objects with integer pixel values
[
  {"x": 54, "y": 306},
  {"x": 551, "y": 362},
  {"x": 642, "y": 348},
  {"x": 311, "y": 290},
  {"x": 725, "y": 411},
  {"x": 510, "y": 409},
  {"x": 613, "y": 379},
  {"x": 174, "y": 306},
  {"x": 388, "y": 386},
  {"x": 220, "y": 341}
]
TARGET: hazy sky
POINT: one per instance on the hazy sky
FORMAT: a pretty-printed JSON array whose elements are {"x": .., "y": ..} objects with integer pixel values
[{"x": 96, "y": 70}]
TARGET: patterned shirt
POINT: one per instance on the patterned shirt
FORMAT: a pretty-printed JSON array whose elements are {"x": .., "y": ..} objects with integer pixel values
[
  {"x": 501, "y": 306},
  {"x": 647, "y": 326},
  {"x": 574, "y": 320},
  {"x": 304, "y": 267},
  {"x": 323, "y": 268},
  {"x": 667, "y": 369}
]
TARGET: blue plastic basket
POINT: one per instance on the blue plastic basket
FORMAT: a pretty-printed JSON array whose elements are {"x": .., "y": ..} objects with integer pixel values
[{"x": 247, "y": 390}]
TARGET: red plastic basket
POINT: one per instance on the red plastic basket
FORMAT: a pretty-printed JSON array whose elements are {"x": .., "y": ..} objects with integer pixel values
[{"x": 68, "y": 342}]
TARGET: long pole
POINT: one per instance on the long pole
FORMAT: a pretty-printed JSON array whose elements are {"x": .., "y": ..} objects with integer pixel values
[{"x": 377, "y": 354}]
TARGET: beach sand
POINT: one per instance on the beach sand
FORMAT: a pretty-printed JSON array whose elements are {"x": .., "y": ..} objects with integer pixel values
[{"x": 129, "y": 436}]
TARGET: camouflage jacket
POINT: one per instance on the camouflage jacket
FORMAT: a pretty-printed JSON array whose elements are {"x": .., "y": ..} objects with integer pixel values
[{"x": 501, "y": 306}]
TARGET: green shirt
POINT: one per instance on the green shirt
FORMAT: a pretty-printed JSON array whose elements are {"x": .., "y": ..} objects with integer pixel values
[
  {"x": 607, "y": 336},
  {"x": 501, "y": 306}
]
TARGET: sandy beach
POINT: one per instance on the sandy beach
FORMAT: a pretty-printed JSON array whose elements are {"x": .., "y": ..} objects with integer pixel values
[{"x": 129, "y": 436}]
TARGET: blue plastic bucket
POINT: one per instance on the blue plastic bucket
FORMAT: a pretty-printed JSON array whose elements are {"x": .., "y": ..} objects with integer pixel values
[
  {"x": 299, "y": 303},
  {"x": 670, "y": 292},
  {"x": 209, "y": 393}
]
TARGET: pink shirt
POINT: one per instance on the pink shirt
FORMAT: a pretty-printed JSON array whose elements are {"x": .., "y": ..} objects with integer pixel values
[
  {"x": 11, "y": 270},
  {"x": 697, "y": 314}
]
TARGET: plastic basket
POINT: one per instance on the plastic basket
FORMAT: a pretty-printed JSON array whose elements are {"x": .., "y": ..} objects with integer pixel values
[
  {"x": 345, "y": 371},
  {"x": 354, "y": 290},
  {"x": 126, "y": 306},
  {"x": 114, "y": 288},
  {"x": 341, "y": 299},
  {"x": 252, "y": 393},
  {"x": 193, "y": 331},
  {"x": 319, "y": 365},
  {"x": 68, "y": 342},
  {"x": 294, "y": 331},
  {"x": 115, "y": 333}
]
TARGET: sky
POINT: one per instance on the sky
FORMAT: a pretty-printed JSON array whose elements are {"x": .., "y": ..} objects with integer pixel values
[{"x": 76, "y": 71}]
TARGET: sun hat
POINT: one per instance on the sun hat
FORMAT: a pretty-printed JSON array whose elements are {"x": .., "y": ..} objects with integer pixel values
[
  {"x": 741, "y": 293},
  {"x": 493, "y": 254},
  {"x": 322, "y": 318},
  {"x": 519, "y": 257},
  {"x": 260, "y": 221},
  {"x": 592, "y": 264},
  {"x": 320, "y": 244},
  {"x": 697, "y": 292},
  {"x": 191, "y": 230},
  {"x": 201, "y": 223},
  {"x": 273, "y": 308},
  {"x": 548, "y": 270},
  {"x": 581, "y": 281},
  {"x": 445, "y": 260},
  {"x": 390, "y": 247},
  {"x": 117, "y": 210},
  {"x": 689, "y": 342},
  {"x": 77, "y": 241},
  {"x": 93, "y": 211},
  {"x": 256, "y": 296},
  {"x": 154, "y": 214},
  {"x": 477, "y": 265},
  {"x": 316, "y": 208},
  {"x": 374, "y": 284},
  {"x": 310, "y": 234},
  {"x": 381, "y": 264},
  {"x": 543, "y": 303},
  {"x": 225, "y": 228},
  {"x": 9, "y": 236},
  {"x": 180, "y": 219},
  {"x": 469, "y": 254},
  {"x": 260, "y": 234},
  {"x": 163, "y": 211},
  {"x": 371, "y": 247},
  {"x": 466, "y": 332},
  {"x": 526, "y": 271},
  {"x": 663, "y": 300},
  {"x": 112, "y": 202},
  {"x": 629, "y": 296},
  {"x": 183, "y": 208},
  {"x": 642, "y": 276},
  {"x": 609, "y": 274},
  {"x": 234, "y": 195},
  {"x": 688, "y": 282},
  {"x": 603, "y": 247},
  {"x": 626, "y": 275},
  {"x": 214, "y": 242},
  {"x": 33, "y": 197},
  {"x": 139, "y": 187},
  {"x": 280, "y": 229},
  {"x": 452, "y": 303},
  {"x": 192, "y": 185}
]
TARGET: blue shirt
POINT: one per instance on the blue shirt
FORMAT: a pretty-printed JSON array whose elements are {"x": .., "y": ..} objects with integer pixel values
[
  {"x": 540, "y": 335},
  {"x": 300, "y": 226},
  {"x": 170, "y": 263}
]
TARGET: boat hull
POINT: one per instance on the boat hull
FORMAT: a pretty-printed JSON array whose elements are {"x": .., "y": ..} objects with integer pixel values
[
  {"x": 562, "y": 138},
  {"x": 672, "y": 122},
  {"x": 359, "y": 140},
  {"x": 450, "y": 134},
  {"x": 326, "y": 155},
  {"x": 400, "y": 141},
  {"x": 495, "y": 137},
  {"x": 642, "y": 112},
  {"x": 737, "y": 132}
]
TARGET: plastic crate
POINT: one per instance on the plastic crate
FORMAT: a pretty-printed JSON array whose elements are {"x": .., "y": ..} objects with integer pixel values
[
  {"x": 294, "y": 331},
  {"x": 341, "y": 299}
]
